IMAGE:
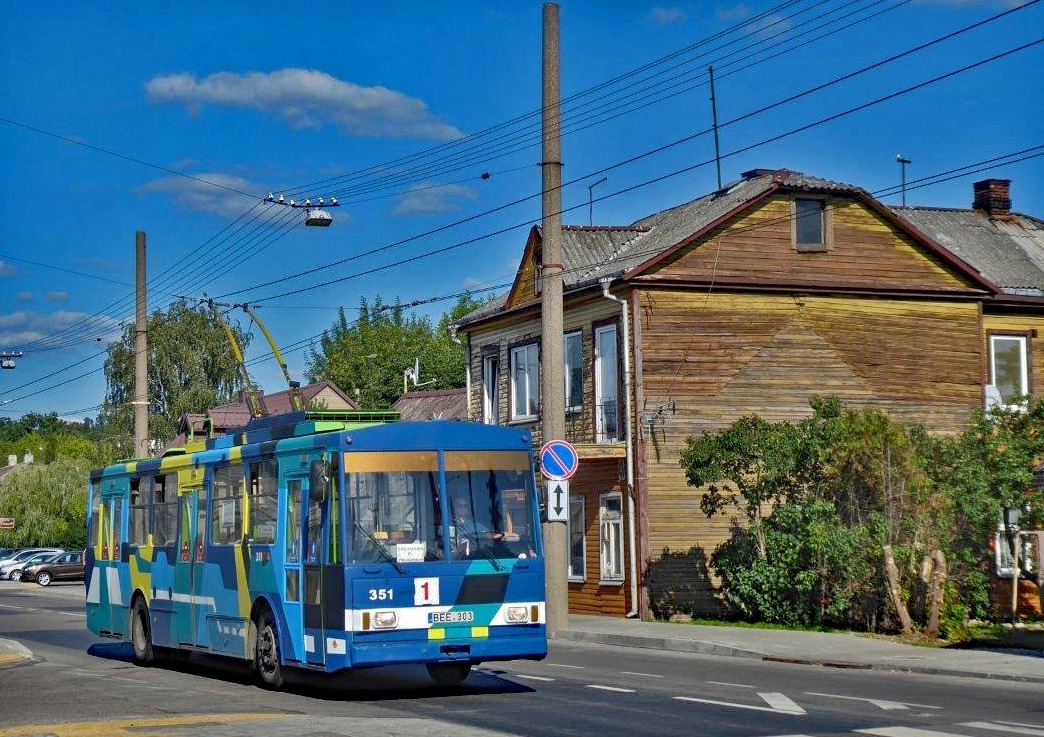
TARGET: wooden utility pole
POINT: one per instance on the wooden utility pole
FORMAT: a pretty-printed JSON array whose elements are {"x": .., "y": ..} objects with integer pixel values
[
  {"x": 552, "y": 386},
  {"x": 141, "y": 376}
]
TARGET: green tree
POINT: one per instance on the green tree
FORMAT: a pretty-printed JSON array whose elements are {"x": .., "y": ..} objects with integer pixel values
[
  {"x": 367, "y": 356},
  {"x": 48, "y": 502},
  {"x": 191, "y": 368},
  {"x": 751, "y": 464}
]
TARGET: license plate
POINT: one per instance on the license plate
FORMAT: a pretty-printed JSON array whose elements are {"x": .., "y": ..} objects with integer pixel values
[{"x": 450, "y": 617}]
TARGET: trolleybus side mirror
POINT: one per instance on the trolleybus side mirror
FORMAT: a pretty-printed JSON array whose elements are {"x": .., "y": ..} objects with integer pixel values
[{"x": 318, "y": 480}]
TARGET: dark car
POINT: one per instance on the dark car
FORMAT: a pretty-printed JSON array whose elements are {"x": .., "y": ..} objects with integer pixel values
[{"x": 65, "y": 567}]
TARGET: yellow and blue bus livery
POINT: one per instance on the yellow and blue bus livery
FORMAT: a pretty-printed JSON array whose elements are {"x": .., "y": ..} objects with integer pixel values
[{"x": 307, "y": 542}]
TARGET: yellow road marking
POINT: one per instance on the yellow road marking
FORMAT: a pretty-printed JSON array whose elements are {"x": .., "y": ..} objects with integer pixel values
[{"x": 137, "y": 727}]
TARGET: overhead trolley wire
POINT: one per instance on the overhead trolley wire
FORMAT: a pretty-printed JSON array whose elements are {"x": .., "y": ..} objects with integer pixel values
[{"x": 925, "y": 181}]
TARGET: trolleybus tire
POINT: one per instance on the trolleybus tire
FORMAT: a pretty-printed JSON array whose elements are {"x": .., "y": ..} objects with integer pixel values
[
  {"x": 448, "y": 675},
  {"x": 141, "y": 632},
  {"x": 266, "y": 658}
]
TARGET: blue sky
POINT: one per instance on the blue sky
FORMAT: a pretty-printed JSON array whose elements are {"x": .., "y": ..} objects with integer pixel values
[{"x": 260, "y": 98}]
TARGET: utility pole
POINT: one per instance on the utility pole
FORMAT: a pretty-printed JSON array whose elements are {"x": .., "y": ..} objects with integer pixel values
[
  {"x": 552, "y": 387},
  {"x": 141, "y": 374}
]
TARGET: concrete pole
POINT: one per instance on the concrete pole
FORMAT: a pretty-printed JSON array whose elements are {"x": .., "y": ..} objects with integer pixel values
[
  {"x": 552, "y": 384},
  {"x": 141, "y": 376}
]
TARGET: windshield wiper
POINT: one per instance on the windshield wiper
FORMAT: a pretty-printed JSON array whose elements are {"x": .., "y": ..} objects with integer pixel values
[
  {"x": 488, "y": 555},
  {"x": 380, "y": 549}
]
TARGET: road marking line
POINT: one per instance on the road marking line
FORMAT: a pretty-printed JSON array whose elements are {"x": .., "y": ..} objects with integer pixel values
[
  {"x": 610, "y": 688},
  {"x": 643, "y": 675},
  {"x": 129, "y": 727},
  {"x": 880, "y": 703},
  {"x": 563, "y": 665},
  {"x": 1018, "y": 724},
  {"x": 906, "y": 732},
  {"x": 777, "y": 703},
  {"x": 726, "y": 683},
  {"x": 1006, "y": 727},
  {"x": 532, "y": 678}
]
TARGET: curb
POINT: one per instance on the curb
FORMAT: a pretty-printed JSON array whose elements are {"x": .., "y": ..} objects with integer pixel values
[
  {"x": 13, "y": 653},
  {"x": 713, "y": 648},
  {"x": 656, "y": 643}
]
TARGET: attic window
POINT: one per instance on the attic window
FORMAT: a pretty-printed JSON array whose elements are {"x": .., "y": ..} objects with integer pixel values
[{"x": 810, "y": 225}]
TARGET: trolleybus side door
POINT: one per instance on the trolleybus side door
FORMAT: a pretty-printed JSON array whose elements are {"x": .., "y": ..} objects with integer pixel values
[
  {"x": 304, "y": 521},
  {"x": 188, "y": 569}
]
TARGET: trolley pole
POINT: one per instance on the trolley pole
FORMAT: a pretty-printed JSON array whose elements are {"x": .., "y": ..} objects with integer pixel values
[
  {"x": 141, "y": 376},
  {"x": 552, "y": 389}
]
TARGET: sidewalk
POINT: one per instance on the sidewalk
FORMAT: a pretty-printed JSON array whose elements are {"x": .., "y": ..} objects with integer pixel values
[{"x": 808, "y": 648}]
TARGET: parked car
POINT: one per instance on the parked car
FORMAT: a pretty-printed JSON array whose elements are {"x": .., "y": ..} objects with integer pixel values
[
  {"x": 17, "y": 561},
  {"x": 5, "y": 552},
  {"x": 64, "y": 567}
]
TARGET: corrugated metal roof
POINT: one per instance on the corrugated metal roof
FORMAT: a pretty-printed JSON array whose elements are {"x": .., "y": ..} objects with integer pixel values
[
  {"x": 440, "y": 404},
  {"x": 1009, "y": 252}
]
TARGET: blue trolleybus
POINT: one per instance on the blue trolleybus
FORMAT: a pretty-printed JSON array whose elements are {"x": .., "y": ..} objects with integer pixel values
[{"x": 324, "y": 541}]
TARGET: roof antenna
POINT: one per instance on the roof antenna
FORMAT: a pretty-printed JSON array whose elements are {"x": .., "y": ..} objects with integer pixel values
[
  {"x": 590, "y": 199},
  {"x": 714, "y": 118},
  {"x": 903, "y": 161}
]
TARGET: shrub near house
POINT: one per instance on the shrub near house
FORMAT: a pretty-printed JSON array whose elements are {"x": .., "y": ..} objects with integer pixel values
[{"x": 861, "y": 509}]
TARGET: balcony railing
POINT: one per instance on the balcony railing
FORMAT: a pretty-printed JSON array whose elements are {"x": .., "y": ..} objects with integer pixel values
[{"x": 602, "y": 425}]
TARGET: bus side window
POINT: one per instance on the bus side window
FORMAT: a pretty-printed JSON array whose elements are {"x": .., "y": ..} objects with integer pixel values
[
  {"x": 139, "y": 511},
  {"x": 93, "y": 531},
  {"x": 226, "y": 509},
  {"x": 263, "y": 501},
  {"x": 335, "y": 516},
  {"x": 164, "y": 509},
  {"x": 115, "y": 527}
]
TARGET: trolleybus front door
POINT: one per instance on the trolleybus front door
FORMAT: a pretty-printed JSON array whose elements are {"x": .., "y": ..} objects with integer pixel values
[
  {"x": 188, "y": 570},
  {"x": 303, "y": 565}
]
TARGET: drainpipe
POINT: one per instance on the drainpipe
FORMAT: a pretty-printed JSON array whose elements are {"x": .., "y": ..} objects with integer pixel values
[
  {"x": 605, "y": 282},
  {"x": 467, "y": 368}
]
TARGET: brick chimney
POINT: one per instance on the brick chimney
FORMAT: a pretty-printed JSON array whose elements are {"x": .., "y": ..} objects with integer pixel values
[{"x": 992, "y": 196}]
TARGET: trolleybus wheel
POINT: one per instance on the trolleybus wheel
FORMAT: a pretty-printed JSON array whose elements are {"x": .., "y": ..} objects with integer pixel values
[
  {"x": 266, "y": 659},
  {"x": 141, "y": 632},
  {"x": 448, "y": 675}
]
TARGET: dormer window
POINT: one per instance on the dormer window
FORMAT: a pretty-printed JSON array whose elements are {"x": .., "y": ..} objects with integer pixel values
[{"x": 811, "y": 225}]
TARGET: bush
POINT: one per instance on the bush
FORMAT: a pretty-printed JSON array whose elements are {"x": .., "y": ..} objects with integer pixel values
[{"x": 48, "y": 502}]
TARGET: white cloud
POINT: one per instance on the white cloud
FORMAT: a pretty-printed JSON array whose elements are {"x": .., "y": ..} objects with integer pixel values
[
  {"x": 429, "y": 199},
  {"x": 7, "y": 270},
  {"x": 19, "y": 328},
  {"x": 24, "y": 296},
  {"x": 57, "y": 296},
  {"x": 667, "y": 16},
  {"x": 195, "y": 195},
  {"x": 307, "y": 98},
  {"x": 734, "y": 12}
]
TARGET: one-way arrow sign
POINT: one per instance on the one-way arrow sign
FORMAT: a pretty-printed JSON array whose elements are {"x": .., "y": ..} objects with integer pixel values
[{"x": 557, "y": 501}]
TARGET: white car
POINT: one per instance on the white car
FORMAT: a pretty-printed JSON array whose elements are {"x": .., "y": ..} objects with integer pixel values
[{"x": 19, "y": 560}]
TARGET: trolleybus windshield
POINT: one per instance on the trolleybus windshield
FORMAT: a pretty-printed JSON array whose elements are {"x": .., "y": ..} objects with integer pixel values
[{"x": 489, "y": 498}]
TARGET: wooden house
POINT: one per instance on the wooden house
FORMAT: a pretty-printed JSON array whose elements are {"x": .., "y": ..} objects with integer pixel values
[{"x": 752, "y": 299}]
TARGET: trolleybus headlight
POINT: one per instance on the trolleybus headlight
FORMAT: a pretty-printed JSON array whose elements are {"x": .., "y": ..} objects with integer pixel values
[
  {"x": 517, "y": 614},
  {"x": 385, "y": 620}
]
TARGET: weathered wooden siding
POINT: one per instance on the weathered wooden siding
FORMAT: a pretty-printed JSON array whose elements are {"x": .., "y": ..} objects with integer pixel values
[
  {"x": 591, "y": 597},
  {"x": 865, "y": 252},
  {"x": 1032, "y": 325},
  {"x": 720, "y": 356}
]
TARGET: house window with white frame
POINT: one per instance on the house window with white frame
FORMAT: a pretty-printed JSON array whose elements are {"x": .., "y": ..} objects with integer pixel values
[
  {"x": 491, "y": 389},
  {"x": 1009, "y": 369},
  {"x": 810, "y": 225},
  {"x": 525, "y": 382},
  {"x": 610, "y": 519},
  {"x": 577, "y": 553},
  {"x": 606, "y": 377},
  {"x": 574, "y": 371}
]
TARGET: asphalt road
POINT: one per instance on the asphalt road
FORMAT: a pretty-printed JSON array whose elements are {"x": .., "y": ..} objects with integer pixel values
[{"x": 81, "y": 685}]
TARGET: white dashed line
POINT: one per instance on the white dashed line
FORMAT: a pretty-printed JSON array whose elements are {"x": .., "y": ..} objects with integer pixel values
[
  {"x": 610, "y": 688},
  {"x": 533, "y": 678},
  {"x": 643, "y": 675},
  {"x": 563, "y": 665},
  {"x": 1009, "y": 728},
  {"x": 725, "y": 683}
]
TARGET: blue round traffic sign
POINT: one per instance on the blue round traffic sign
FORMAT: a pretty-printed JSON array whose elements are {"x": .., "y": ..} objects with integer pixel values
[{"x": 558, "y": 460}]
